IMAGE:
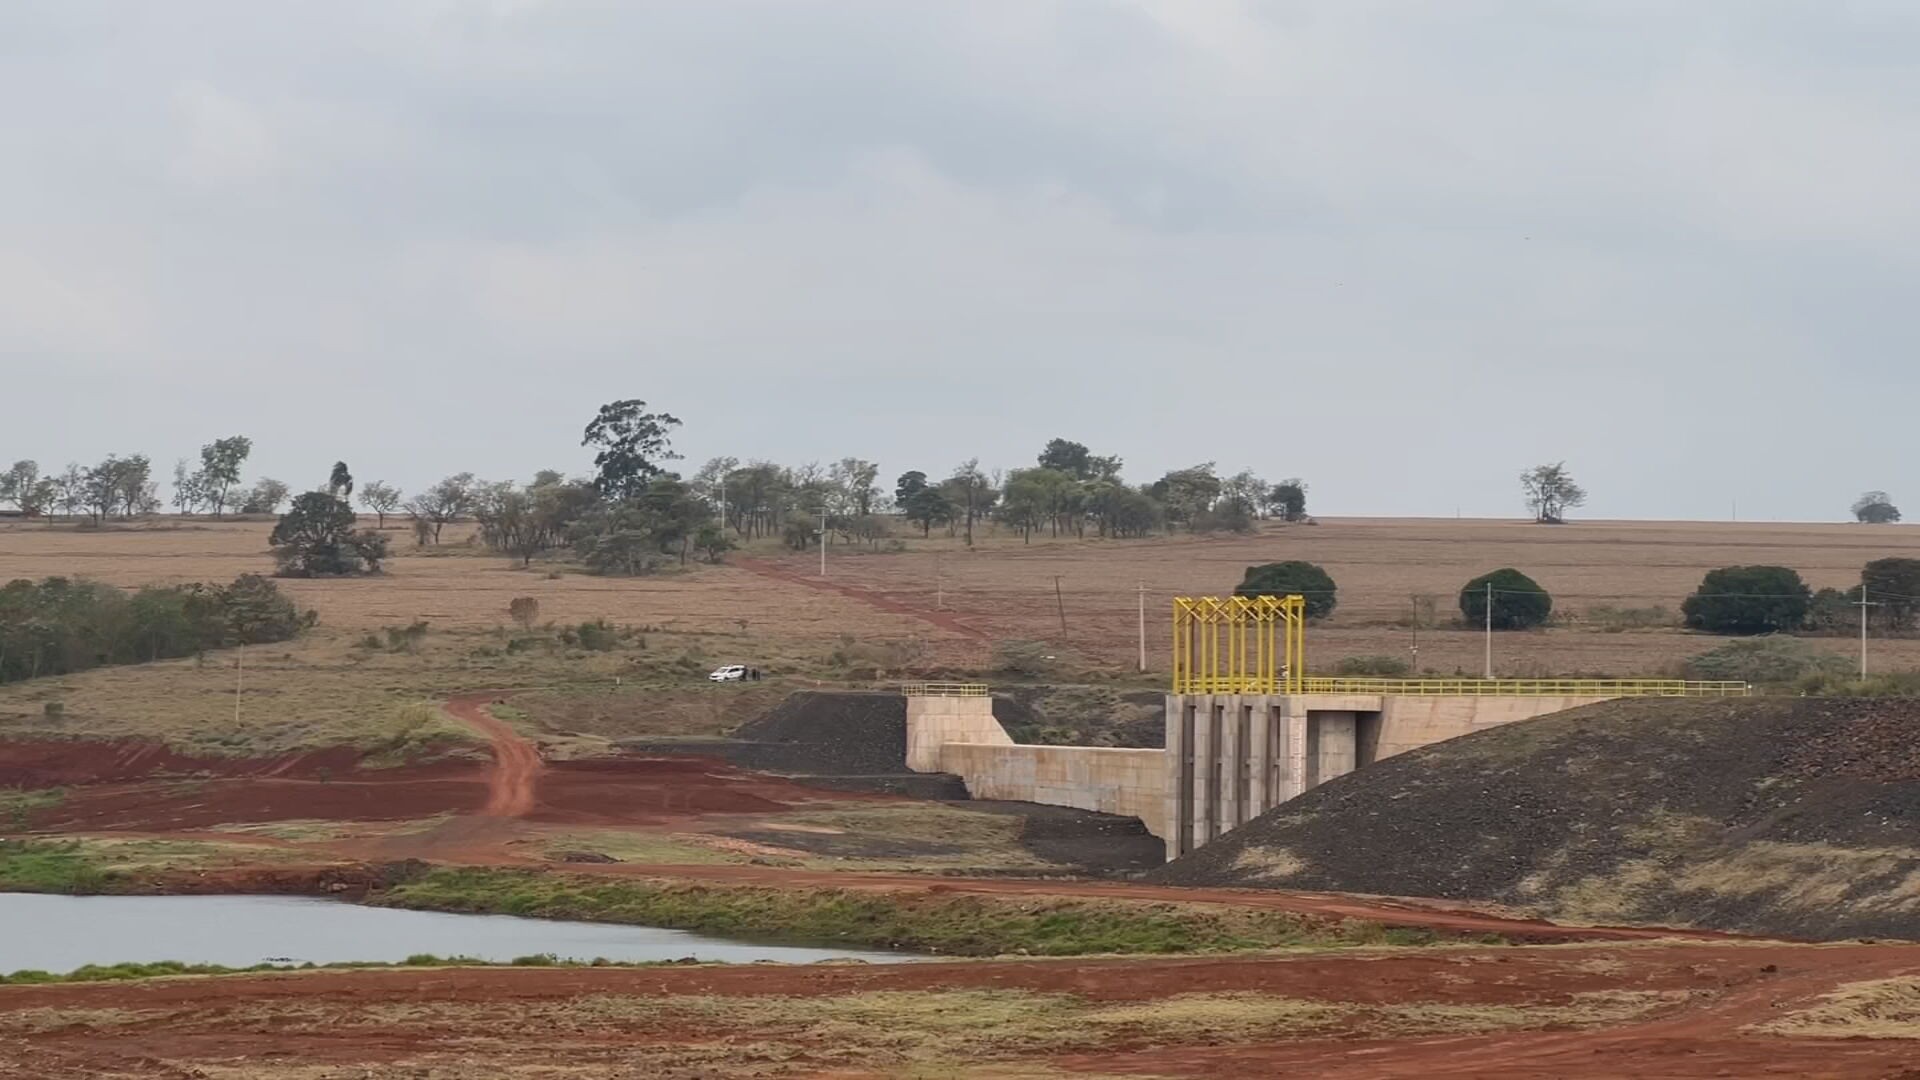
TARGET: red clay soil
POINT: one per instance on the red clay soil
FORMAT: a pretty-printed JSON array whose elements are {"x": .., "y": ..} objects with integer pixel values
[
  {"x": 486, "y": 799},
  {"x": 516, "y": 763},
  {"x": 56, "y": 763},
  {"x": 145, "y": 787},
  {"x": 877, "y": 600},
  {"x": 377, "y": 795},
  {"x": 444, "y": 1015}
]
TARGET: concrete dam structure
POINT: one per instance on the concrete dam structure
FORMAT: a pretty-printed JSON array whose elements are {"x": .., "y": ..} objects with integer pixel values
[{"x": 1246, "y": 728}]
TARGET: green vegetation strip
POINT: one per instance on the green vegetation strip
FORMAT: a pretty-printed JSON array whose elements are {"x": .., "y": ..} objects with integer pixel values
[
  {"x": 163, "y": 968},
  {"x": 950, "y": 924},
  {"x": 52, "y": 867}
]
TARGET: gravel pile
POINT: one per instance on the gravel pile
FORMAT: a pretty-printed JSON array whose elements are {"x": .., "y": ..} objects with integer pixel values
[{"x": 1796, "y": 817}]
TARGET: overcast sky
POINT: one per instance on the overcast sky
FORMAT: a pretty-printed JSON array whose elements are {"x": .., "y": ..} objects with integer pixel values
[{"x": 1402, "y": 250}]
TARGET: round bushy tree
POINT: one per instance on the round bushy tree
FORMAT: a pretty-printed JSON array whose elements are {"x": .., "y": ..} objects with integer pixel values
[
  {"x": 1287, "y": 578},
  {"x": 316, "y": 538},
  {"x": 1748, "y": 600},
  {"x": 1519, "y": 603}
]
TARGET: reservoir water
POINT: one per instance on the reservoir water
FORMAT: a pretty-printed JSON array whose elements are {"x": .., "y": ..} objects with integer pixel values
[{"x": 60, "y": 933}]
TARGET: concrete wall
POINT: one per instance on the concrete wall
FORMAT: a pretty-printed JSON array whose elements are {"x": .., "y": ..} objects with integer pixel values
[
  {"x": 1229, "y": 757},
  {"x": 932, "y": 722},
  {"x": 1130, "y": 783},
  {"x": 1409, "y": 722},
  {"x": 1232, "y": 757}
]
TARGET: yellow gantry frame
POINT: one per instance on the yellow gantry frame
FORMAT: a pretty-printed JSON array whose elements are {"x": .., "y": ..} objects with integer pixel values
[
  {"x": 1258, "y": 645},
  {"x": 1239, "y": 645}
]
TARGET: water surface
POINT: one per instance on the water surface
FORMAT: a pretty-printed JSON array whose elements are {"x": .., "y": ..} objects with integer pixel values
[{"x": 60, "y": 933}]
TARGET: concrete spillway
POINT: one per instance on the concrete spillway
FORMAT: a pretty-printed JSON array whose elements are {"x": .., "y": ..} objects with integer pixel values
[{"x": 1228, "y": 757}]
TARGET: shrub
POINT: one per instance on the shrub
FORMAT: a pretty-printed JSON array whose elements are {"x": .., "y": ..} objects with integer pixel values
[
  {"x": 1519, "y": 603},
  {"x": 1894, "y": 585},
  {"x": 406, "y": 638},
  {"x": 1832, "y": 611},
  {"x": 597, "y": 636},
  {"x": 524, "y": 610},
  {"x": 1288, "y": 578},
  {"x": 1901, "y": 684},
  {"x": 61, "y": 625},
  {"x": 1614, "y": 619},
  {"x": 1767, "y": 660},
  {"x": 1016, "y": 656},
  {"x": 1372, "y": 666},
  {"x": 1748, "y": 600}
]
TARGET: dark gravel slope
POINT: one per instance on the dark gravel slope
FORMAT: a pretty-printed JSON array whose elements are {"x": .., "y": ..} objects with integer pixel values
[{"x": 1798, "y": 817}]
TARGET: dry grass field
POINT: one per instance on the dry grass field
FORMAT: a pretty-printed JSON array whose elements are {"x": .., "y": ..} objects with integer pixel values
[
  {"x": 457, "y": 585},
  {"x": 1007, "y": 589}
]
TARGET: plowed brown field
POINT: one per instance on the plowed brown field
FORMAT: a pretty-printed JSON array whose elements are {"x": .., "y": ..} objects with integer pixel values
[{"x": 958, "y": 601}]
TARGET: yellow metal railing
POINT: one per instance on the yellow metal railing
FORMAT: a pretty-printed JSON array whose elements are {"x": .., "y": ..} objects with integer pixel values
[
  {"x": 943, "y": 689},
  {"x": 1519, "y": 687}
]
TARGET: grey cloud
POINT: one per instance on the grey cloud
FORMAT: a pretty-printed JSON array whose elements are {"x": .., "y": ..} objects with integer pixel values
[{"x": 1402, "y": 250}]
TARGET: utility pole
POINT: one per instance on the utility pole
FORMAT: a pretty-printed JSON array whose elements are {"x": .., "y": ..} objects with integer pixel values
[
  {"x": 939, "y": 583},
  {"x": 1489, "y": 629},
  {"x": 1143, "y": 626},
  {"x": 1060, "y": 602},
  {"x": 1415, "y": 601},
  {"x": 1864, "y": 605},
  {"x": 823, "y": 541}
]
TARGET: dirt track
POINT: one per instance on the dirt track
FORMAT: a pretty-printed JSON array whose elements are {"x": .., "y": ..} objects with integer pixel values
[{"x": 516, "y": 763}]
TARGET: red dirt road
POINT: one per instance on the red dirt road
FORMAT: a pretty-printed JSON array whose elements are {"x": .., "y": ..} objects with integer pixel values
[{"x": 516, "y": 762}]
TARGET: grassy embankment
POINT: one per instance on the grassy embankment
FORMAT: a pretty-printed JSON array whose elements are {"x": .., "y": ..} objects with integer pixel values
[
  {"x": 127, "y": 972},
  {"x": 962, "y": 925},
  {"x": 947, "y": 924}
]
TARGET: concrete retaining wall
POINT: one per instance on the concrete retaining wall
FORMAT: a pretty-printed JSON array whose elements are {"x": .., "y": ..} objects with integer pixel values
[
  {"x": 1409, "y": 722},
  {"x": 1229, "y": 757},
  {"x": 1131, "y": 783},
  {"x": 1232, "y": 757},
  {"x": 932, "y": 722}
]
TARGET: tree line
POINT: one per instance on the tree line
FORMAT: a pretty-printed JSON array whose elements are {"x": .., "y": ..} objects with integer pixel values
[
  {"x": 125, "y": 487},
  {"x": 634, "y": 514},
  {"x": 62, "y": 625},
  {"x": 1069, "y": 490}
]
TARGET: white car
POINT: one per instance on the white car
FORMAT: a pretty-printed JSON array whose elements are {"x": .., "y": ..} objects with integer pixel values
[{"x": 730, "y": 673}]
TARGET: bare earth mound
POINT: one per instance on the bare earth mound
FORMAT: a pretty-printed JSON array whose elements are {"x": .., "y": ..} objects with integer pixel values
[{"x": 1791, "y": 817}]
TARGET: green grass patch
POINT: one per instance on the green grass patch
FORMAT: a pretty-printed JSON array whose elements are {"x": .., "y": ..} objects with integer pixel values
[
  {"x": 18, "y": 805},
  {"x": 165, "y": 968},
  {"x": 54, "y": 867},
  {"x": 951, "y": 924}
]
